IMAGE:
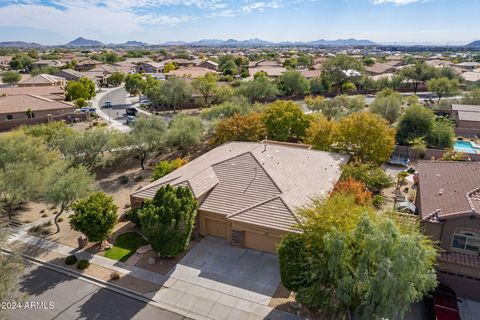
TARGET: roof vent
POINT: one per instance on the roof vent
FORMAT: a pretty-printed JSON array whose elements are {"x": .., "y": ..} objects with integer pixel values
[{"x": 440, "y": 192}]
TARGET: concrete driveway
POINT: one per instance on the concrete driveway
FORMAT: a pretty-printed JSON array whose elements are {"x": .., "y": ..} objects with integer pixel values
[{"x": 218, "y": 281}]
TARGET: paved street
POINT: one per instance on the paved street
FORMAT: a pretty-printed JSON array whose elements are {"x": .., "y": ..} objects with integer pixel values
[{"x": 78, "y": 299}]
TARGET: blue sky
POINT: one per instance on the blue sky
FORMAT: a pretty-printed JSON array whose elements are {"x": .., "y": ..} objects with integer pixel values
[{"x": 157, "y": 21}]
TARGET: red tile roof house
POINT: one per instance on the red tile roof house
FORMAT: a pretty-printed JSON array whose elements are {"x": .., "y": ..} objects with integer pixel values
[
  {"x": 448, "y": 200},
  {"x": 248, "y": 191},
  {"x": 16, "y": 110}
]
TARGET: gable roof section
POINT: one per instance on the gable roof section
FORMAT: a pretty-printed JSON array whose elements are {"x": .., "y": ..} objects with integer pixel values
[
  {"x": 43, "y": 79},
  {"x": 448, "y": 188}
]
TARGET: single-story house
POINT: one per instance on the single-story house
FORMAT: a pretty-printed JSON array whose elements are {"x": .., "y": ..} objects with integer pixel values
[
  {"x": 248, "y": 191},
  {"x": 379, "y": 68},
  {"x": 150, "y": 67},
  {"x": 69, "y": 74},
  {"x": 5, "y": 62},
  {"x": 466, "y": 116},
  {"x": 471, "y": 76},
  {"x": 50, "y": 92},
  {"x": 310, "y": 74},
  {"x": 271, "y": 71},
  {"x": 86, "y": 65},
  {"x": 29, "y": 106},
  {"x": 192, "y": 73},
  {"x": 469, "y": 66},
  {"x": 448, "y": 202},
  {"x": 209, "y": 64},
  {"x": 43, "y": 80},
  {"x": 47, "y": 63}
]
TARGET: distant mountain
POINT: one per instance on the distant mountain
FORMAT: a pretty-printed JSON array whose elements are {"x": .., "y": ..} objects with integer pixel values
[
  {"x": 342, "y": 42},
  {"x": 259, "y": 42},
  {"x": 82, "y": 42},
  {"x": 134, "y": 43},
  {"x": 474, "y": 44},
  {"x": 20, "y": 44}
]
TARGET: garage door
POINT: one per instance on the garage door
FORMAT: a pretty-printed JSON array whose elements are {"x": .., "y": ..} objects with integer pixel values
[
  {"x": 216, "y": 228},
  {"x": 262, "y": 242}
]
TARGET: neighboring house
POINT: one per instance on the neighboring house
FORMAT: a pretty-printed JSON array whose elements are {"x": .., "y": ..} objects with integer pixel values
[
  {"x": 437, "y": 63},
  {"x": 69, "y": 74},
  {"x": 47, "y": 63},
  {"x": 471, "y": 77},
  {"x": 310, "y": 74},
  {"x": 379, "y": 68},
  {"x": 150, "y": 67},
  {"x": 29, "y": 106},
  {"x": 5, "y": 62},
  {"x": 248, "y": 191},
  {"x": 468, "y": 66},
  {"x": 86, "y": 65},
  {"x": 43, "y": 80},
  {"x": 448, "y": 200},
  {"x": 209, "y": 64},
  {"x": 52, "y": 93},
  {"x": 271, "y": 71},
  {"x": 466, "y": 116},
  {"x": 192, "y": 73}
]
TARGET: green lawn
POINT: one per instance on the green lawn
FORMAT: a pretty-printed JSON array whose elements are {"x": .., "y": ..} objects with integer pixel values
[{"x": 125, "y": 246}]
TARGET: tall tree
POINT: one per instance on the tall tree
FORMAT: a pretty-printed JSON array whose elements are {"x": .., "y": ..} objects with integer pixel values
[
  {"x": 206, "y": 86},
  {"x": 418, "y": 73},
  {"x": 167, "y": 220},
  {"x": 84, "y": 88},
  {"x": 94, "y": 216},
  {"x": 338, "y": 70},
  {"x": 443, "y": 87},
  {"x": 67, "y": 185},
  {"x": 292, "y": 82},
  {"x": 285, "y": 120},
  {"x": 135, "y": 84},
  {"x": 148, "y": 136},
  {"x": 417, "y": 121},
  {"x": 259, "y": 89},
  {"x": 184, "y": 132},
  {"x": 247, "y": 127},
  {"x": 11, "y": 77},
  {"x": 388, "y": 107}
]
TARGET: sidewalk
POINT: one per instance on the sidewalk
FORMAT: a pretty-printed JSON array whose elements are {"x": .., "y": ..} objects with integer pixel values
[{"x": 177, "y": 295}]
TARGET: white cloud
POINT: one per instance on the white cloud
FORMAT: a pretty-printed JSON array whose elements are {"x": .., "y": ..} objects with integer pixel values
[
  {"x": 260, "y": 6},
  {"x": 397, "y": 2}
]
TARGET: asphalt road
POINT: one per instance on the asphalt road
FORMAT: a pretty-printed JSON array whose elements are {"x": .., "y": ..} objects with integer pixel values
[
  {"x": 119, "y": 103},
  {"x": 74, "y": 298}
]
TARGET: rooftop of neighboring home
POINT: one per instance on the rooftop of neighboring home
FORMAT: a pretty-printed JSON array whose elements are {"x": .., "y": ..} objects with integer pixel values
[
  {"x": 437, "y": 63},
  {"x": 379, "y": 68},
  {"x": 264, "y": 63},
  {"x": 465, "y": 107},
  {"x": 448, "y": 189},
  {"x": 468, "y": 64},
  {"x": 471, "y": 76},
  {"x": 241, "y": 178},
  {"x": 309, "y": 74},
  {"x": 20, "y": 103},
  {"x": 70, "y": 72},
  {"x": 50, "y": 63},
  {"x": 190, "y": 72},
  {"x": 49, "y": 92},
  {"x": 272, "y": 71},
  {"x": 42, "y": 79}
]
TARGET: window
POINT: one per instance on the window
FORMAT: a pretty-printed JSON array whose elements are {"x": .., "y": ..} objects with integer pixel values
[
  {"x": 466, "y": 240},
  {"x": 9, "y": 117}
]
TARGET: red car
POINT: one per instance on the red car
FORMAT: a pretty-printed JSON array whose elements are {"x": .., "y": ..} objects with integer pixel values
[{"x": 445, "y": 304}]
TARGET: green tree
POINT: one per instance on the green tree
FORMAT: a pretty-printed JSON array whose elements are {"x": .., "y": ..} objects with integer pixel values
[
  {"x": 248, "y": 127},
  {"x": 293, "y": 261},
  {"x": 167, "y": 220},
  {"x": 317, "y": 86},
  {"x": 292, "y": 82},
  {"x": 169, "y": 66},
  {"x": 367, "y": 137},
  {"x": 417, "y": 121},
  {"x": 11, "y": 77},
  {"x": 443, "y": 87},
  {"x": 80, "y": 103},
  {"x": 94, "y": 216},
  {"x": 11, "y": 270},
  {"x": 163, "y": 168},
  {"x": 184, "y": 132},
  {"x": 67, "y": 185},
  {"x": 174, "y": 92},
  {"x": 206, "y": 86},
  {"x": 388, "y": 107},
  {"x": 374, "y": 177},
  {"x": 418, "y": 146},
  {"x": 305, "y": 61},
  {"x": 472, "y": 97},
  {"x": 238, "y": 104},
  {"x": 116, "y": 78},
  {"x": 43, "y": 70},
  {"x": 322, "y": 134},
  {"x": 135, "y": 84},
  {"x": 84, "y": 88},
  {"x": 148, "y": 136},
  {"x": 442, "y": 134},
  {"x": 259, "y": 89},
  {"x": 330, "y": 109},
  {"x": 335, "y": 71},
  {"x": 227, "y": 65},
  {"x": 418, "y": 73},
  {"x": 21, "y": 61},
  {"x": 285, "y": 120}
]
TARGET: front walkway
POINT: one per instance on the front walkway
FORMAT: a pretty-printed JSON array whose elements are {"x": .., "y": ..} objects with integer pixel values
[{"x": 197, "y": 287}]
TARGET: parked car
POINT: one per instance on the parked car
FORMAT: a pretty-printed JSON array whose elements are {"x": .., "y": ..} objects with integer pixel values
[
  {"x": 445, "y": 304},
  {"x": 131, "y": 111},
  {"x": 131, "y": 120},
  {"x": 146, "y": 103},
  {"x": 108, "y": 104}
]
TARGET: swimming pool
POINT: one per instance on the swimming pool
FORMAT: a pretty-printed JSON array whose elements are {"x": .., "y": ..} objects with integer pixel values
[{"x": 464, "y": 146}]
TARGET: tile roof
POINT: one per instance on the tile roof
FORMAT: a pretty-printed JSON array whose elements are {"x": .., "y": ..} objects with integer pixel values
[
  {"x": 42, "y": 79},
  {"x": 446, "y": 187},
  {"x": 244, "y": 180},
  {"x": 468, "y": 116},
  {"x": 467, "y": 260},
  {"x": 465, "y": 107},
  {"x": 190, "y": 72},
  {"x": 23, "y": 102},
  {"x": 471, "y": 76}
]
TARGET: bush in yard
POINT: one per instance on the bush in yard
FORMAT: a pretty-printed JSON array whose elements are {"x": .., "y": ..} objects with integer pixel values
[
  {"x": 285, "y": 121},
  {"x": 292, "y": 257},
  {"x": 114, "y": 276},
  {"x": 355, "y": 188},
  {"x": 71, "y": 260},
  {"x": 167, "y": 220},
  {"x": 123, "y": 179},
  {"x": 378, "y": 201},
  {"x": 83, "y": 264},
  {"x": 374, "y": 177},
  {"x": 132, "y": 215},
  {"x": 163, "y": 168},
  {"x": 94, "y": 216}
]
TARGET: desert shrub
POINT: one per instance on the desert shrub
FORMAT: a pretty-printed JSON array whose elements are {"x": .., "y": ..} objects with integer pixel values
[
  {"x": 71, "y": 260},
  {"x": 123, "y": 179},
  {"x": 378, "y": 201},
  {"x": 83, "y": 264},
  {"x": 114, "y": 276}
]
